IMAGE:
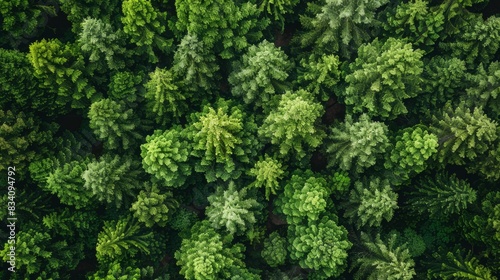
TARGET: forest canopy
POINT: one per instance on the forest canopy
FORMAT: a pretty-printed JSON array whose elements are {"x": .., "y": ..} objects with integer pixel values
[{"x": 250, "y": 140}]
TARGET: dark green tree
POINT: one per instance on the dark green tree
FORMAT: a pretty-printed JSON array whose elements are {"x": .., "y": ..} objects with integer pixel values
[
  {"x": 77, "y": 11},
  {"x": 231, "y": 209},
  {"x": 260, "y": 75},
  {"x": 320, "y": 245},
  {"x": 356, "y": 145},
  {"x": 274, "y": 251},
  {"x": 293, "y": 125},
  {"x": 277, "y": 9},
  {"x": 339, "y": 26},
  {"x": 383, "y": 75},
  {"x": 463, "y": 133},
  {"x": 226, "y": 27},
  {"x": 383, "y": 259},
  {"x": 114, "y": 124},
  {"x": 484, "y": 88},
  {"x": 153, "y": 207},
  {"x": 370, "y": 202},
  {"x": 112, "y": 179},
  {"x": 166, "y": 156},
  {"x": 457, "y": 265},
  {"x": 442, "y": 195}
]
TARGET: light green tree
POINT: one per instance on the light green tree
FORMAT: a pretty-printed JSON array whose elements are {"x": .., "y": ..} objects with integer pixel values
[
  {"x": 293, "y": 125},
  {"x": 145, "y": 27},
  {"x": 231, "y": 209},
  {"x": 370, "y": 202},
  {"x": 319, "y": 74},
  {"x": 260, "y": 75},
  {"x": 166, "y": 156},
  {"x": 165, "y": 99},
  {"x": 153, "y": 207},
  {"x": 61, "y": 68},
  {"x": 114, "y": 123},
  {"x": 457, "y": 265},
  {"x": 463, "y": 133},
  {"x": 383, "y": 75},
  {"x": 321, "y": 246},
  {"x": 339, "y": 26},
  {"x": 112, "y": 179},
  {"x": 383, "y": 259},
  {"x": 305, "y": 197},
  {"x": 356, "y": 145},
  {"x": 268, "y": 172}
]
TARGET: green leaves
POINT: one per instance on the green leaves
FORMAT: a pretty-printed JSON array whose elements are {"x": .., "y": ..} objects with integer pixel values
[{"x": 383, "y": 75}]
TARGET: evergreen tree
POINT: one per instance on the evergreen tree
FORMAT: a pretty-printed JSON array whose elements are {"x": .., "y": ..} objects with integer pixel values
[
  {"x": 462, "y": 133},
  {"x": 112, "y": 179},
  {"x": 293, "y": 124},
  {"x": 319, "y": 74},
  {"x": 268, "y": 172},
  {"x": 321, "y": 245},
  {"x": 145, "y": 27},
  {"x": 339, "y": 26},
  {"x": 101, "y": 42},
  {"x": 113, "y": 123},
  {"x": 260, "y": 75},
  {"x": 370, "y": 202},
  {"x": 274, "y": 251},
  {"x": 121, "y": 238},
  {"x": 442, "y": 195},
  {"x": 165, "y": 100},
  {"x": 484, "y": 88},
  {"x": 453, "y": 265},
  {"x": 277, "y": 9},
  {"x": 306, "y": 196},
  {"x": 165, "y": 155},
  {"x": 226, "y": 27},
  {"x": 383, "y": 75},
  {"x": 153, "y": 207},
  {"x": 125, "y": 86},
  {"x": 231, "y": 209},
  {"x": 62, "y": 70},
  {"x": 77, "y": 11},
  {"x": 383, "y": 259},
  {"x": 356, "y": 145}
]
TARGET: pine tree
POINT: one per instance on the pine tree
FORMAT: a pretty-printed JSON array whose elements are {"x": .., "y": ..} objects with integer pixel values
[
  {"x": 442, "y": 195},
  {"x": 383, "y": 259},
  {"x": 356, "y": 145},
  {"x": 319, "y": 74},
  {"x": 153, "y": 207},
  {"x": 383, "y": 75},
  {"x": 268, "y": 172},
  {"x": 453, "y": 265},
  {"x": 484, "y": 88},
  {"x": 231, "y": 209}
]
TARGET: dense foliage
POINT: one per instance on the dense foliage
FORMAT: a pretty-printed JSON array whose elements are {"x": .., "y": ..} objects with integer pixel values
[{"x": 250, "y": 140}]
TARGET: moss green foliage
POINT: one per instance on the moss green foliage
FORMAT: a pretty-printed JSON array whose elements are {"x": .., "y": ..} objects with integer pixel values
[
  {"x": 101, "y": 42},
  {"x": 77, "y": 11},
  {"x": 268, "y": 172},
  {"x": 153, "y": 207},
  {"x": 457, "y": 265},
  {"x": 121, "y": 238},
  {"x": 195, "y": 64},
  {"x": 61, "y": 69},
  {"x": 293, "y": 125},
  {"x": 112, "y": 179},
  {"x": 144, "y": 25},
  {"x": 321, "y": 246},
  {"x": 339, "y": 26},
  {"x": 484, "y": 88},
  {"x": 260, "y": 75},
  {"x": 231, "y": 210},
  {"x": 382, "y": 77},
  {"x": 208, "y": 255},
  {"x": 463, "y": 133},
  {"x": 226, "y": 27},
  {"x": 114, "y": 124},
  {"x": 383, "y": 259},
  {"x": 304, "y": 198},
  {"x": 356, "y": 145},
  {"x": 223, "y": 137},
  {"x": 370, "y": 202},
  {"x": 319, "y": 74},
  {"x": 442, "y": 195},
  {"x": 274, "y": 251},
  {"x": 165, "y": 155}
]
